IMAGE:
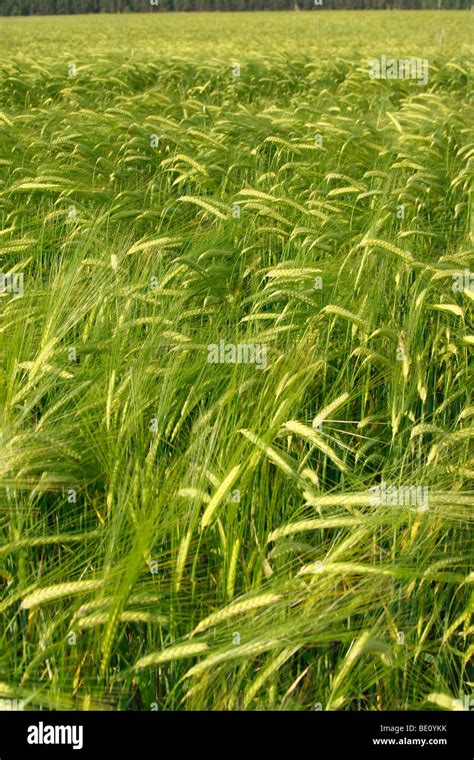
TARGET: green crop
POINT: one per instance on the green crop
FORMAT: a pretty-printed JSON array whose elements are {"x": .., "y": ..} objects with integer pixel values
[{"x": 236, "y": 362}]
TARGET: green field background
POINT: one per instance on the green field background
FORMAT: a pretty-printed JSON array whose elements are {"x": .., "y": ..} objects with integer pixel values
[{"x": 178, "y": 534}]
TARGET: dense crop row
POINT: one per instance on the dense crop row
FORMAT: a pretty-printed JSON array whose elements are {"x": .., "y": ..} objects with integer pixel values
[{"x": 180, "y": 532}]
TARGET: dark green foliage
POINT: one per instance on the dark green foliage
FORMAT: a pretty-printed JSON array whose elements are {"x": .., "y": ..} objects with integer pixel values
[{"x": 45, "y": 7}]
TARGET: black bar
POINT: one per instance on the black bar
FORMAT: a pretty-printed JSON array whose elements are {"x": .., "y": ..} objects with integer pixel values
[{"x": 316, "y": 734}]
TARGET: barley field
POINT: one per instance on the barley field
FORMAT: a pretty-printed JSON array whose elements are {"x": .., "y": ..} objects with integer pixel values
[{"x": 236, "y": 362}]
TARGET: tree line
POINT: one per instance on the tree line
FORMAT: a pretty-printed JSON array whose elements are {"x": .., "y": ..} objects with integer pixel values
[{"x": 45, "y": 7}]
